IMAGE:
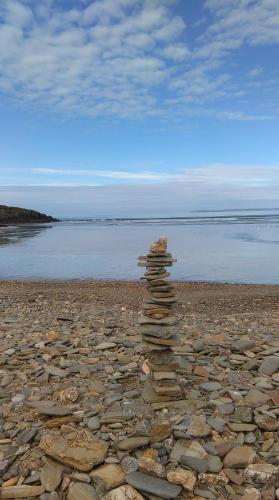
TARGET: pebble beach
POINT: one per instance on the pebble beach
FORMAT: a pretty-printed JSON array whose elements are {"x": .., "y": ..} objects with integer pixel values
[{"x": 74, "y": 425}]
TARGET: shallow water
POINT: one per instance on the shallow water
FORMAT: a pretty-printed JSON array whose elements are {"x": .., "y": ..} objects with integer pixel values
[{"x": 237, "y": 248}]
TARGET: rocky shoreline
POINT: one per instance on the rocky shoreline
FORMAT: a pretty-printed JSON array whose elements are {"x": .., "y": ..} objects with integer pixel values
[
  {"x": 73, "y": 424},
  {"x": 16, "y": 215}
]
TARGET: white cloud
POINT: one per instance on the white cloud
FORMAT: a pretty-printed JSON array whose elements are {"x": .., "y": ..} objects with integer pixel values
[
  {"x": 217, "y": 175},
  {"x": 256, "y": 71},
  {"x": 128, "y": 58},
  {"x": 209, "y": 188}
]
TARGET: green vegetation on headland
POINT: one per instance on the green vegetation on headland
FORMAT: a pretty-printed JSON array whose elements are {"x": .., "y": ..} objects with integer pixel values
[{"x": 15, "y": 215}]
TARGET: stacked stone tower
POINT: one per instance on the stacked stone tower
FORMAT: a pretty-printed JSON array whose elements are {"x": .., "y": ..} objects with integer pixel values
[{"x": 159, "y": 325}]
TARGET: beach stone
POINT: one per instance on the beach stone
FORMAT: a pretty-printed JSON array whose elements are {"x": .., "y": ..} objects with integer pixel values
[
  {"x": 233, "y": 476},
  {"x": 80, "y": 450},
  {"x": 184, "y": 477},
  {"x": 214, "y": 464},
  {"x": 107, "y": 477},
  {"x": 243, "y": 427},
  {"x": 267, "y": 423},
  {"x": 255, "y": 398},
  {"x": 270, "y": 365},
  {"x": 69, "y": 395},
  {"x": 51, "y": 408},
  {"x": 51, "y": 475},
  {"x": 159, "y": 432},
  {"x": 81, "y": 491},
  {"x": 49, "y": 496},
  {"x": 198, "y": 427},
  {"x": 125, "y": 492},
  {"x": 129, "y": 464},
  {"x": 210, "y": 386},
  {"x": 133, "y": 443},
  {"x": 244, "y": 414},
  {"x": 94, "y": 423},
  {"x": 195, "y": 463},
  {"x": 242, "y": 345},
  {"x": 261, "y": 473},
  {"x": 251, "y": 494},
  {"x": 180, "y": 448},
  {"x": 216, "y": 423},
  {"x": 153, "y": 485},
  {"x": 21, "y": 491},
  {"x": 240, "y": 456},
  {"x": 105, "y": 345},
  {"x": 151, "y": 467}
]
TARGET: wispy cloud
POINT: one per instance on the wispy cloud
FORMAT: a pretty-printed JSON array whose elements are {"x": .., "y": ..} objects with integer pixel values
[
  {"x": 129, "y": 59},
  {"x": 211, "y": 175},
  {"x": 211, "y": 187}
]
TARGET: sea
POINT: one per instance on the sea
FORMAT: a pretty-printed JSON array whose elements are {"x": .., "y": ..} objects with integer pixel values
[{"x": 232, "y": 247}]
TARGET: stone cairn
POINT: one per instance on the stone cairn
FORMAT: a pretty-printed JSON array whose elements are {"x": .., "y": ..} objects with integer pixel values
[{"x": 159, "y": 325}]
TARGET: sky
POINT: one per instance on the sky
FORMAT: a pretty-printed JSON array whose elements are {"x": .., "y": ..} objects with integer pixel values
[{"x": 139, "y": 107}]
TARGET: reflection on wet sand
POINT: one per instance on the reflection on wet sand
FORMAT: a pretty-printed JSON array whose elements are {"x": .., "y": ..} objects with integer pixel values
[{"x": 15, "y": 234}]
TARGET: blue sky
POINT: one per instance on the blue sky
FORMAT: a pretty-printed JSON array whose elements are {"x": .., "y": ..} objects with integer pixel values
[{"x": 139, "y": 96}]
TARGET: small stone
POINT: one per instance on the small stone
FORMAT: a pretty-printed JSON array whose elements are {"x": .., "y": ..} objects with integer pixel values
[
  {"x": 133, "y": 443},
  {"x": 105, "y": 345},
  {"x": 80, "y": 450},
  {"x": 180, "y": 448},
  {"x": 270, "y": 365},
  {"x": 153, "y": 485},
  {"x": 214, "y": 464},
  {"x": 52, "y": 335},
  {"x": 235, "y": 427},
  {"x": 94, "y": 423},
  {"x": 251, "y": 494},
  {"x": 241, "y": 456},
  {"x": 198, "y": 427},
  {"x": 151, "y": 467},
  {"x": 51, "y": 475},
  {"x": 243, "y": 345},
  {"x": 184, "y": 477},
  {"x": 201, "y": 371},
  {"x": 125, "y": 492},
  {"x": 81, "y": 491},
  {"x": 261, "y": 473},
  {"x": 51, "y": 408},
  {"x": 129, "y": 464},
  {"x": 21, "y": 491},
  {"x": 159, "y": 432},
  {"x": 267, "y": 423},
  {"x": 255, "y": 398},
  {"x": 107, "y": 477},
  {"x": 210, "y": 386},
  {"x": 233, "y": 476},
  {"x": 195, "y": 463},
  {"x": 69, "y": 395}
]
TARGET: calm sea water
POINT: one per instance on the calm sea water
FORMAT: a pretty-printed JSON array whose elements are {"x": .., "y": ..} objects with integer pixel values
[{"x": 234, "y": 248}]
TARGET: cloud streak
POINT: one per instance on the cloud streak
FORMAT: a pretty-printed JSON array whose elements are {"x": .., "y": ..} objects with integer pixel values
[{"x": 215, "y": 187}]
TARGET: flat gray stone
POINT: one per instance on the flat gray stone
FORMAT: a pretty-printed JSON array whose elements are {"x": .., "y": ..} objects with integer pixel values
[
  {"x": 195, "y": 463},
  {"x": 153, "y": 485},
  {"x": 51, "y": 408},
  {"x": 243, "y": 345},
  {"x": 255, "y": 398},
  {"x": 210, "y": 386},
  {"x": 82, "y": 491},
  {"x": 270, "y": 365}
]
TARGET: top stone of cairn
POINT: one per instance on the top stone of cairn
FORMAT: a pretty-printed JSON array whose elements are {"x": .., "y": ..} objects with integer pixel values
[{"x": 159, "y": 246}]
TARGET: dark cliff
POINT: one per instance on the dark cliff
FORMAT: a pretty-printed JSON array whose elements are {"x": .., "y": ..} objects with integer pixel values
[{"x": 15, "y": 215}]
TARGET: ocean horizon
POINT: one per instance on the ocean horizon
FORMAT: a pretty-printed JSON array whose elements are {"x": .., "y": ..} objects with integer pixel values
[{"x": 235, "y": 247}]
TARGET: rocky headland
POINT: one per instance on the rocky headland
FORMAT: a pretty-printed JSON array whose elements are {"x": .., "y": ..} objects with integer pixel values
[
  {"x": 73, "y": 421},
  {"x": 16, "y": 215}
]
